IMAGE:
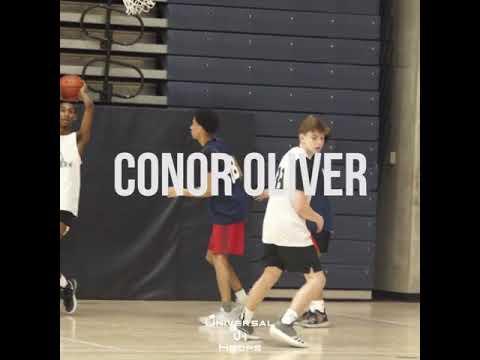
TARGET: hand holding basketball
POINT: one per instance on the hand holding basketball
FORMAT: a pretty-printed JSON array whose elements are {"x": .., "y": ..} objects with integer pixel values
[
  {"x": 83, "y": 91},
  {"x": 70, "y": 86}
]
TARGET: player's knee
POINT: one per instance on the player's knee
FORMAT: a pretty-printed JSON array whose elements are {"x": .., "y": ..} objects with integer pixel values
[
  {"x": 272, "y": 274},
  {"x": 318, "y": 279},
  {"x": 209, "y": 258},
  {"x": 219, "y": 259}
]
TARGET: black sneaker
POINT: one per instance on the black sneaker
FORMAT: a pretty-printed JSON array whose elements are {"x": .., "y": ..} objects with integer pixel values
[
  {"x": 67, "y": 294},
  {"x": 287, "y": 334},
  {"x": 315, "y": 319}
]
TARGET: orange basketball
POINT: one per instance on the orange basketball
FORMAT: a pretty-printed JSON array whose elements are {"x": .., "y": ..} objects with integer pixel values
[{"x": 70, "y": 86}]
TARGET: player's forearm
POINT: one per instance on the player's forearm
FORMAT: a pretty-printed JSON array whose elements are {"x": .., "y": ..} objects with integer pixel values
[
  {"x": 87, "y": 121},
  {"x": 187, "y": 193},
  {"x": 303, "y": 209},
  {"x": 87, "y": 101},
  {"x": 206, "y": 194},
  {"x": 306, "y": 212}
]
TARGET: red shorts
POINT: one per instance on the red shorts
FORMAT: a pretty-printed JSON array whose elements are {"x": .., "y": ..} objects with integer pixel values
[
  {"x": 315, "y": 245},
  {"x": 321, "y": 241},
  {"x": 227, "y": 239}
]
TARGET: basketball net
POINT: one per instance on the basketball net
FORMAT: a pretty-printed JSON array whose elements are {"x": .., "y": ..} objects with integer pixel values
[{"x": 137, "y": 7}]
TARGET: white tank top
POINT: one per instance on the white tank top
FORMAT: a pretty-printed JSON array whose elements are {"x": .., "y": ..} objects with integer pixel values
[{"x": 70, "y": 162}]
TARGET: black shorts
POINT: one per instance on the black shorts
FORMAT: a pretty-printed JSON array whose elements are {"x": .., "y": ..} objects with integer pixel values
[
  {"x": 292, "y": 259},
  {"x": 67, "y": 218}
]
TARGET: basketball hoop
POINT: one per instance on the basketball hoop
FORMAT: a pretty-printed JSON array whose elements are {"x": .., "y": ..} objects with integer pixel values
[{"x": 137, "y": 7}]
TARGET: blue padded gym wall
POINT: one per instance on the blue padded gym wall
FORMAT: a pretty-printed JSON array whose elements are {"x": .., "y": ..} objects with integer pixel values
[{"x": 280, "y": 60}]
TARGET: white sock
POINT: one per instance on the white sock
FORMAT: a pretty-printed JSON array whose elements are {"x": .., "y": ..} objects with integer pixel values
[
  {"x": 63, "y": 281},
  {"x": 241, "y": 296},
  {"x": 247, "y": 316},
  {"x": 317, "y": 305},
  {"x": 289, "y": 317}
]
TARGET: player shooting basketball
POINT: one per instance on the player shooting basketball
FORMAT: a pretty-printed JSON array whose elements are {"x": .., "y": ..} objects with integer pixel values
[{"x": 72, "y": 148}]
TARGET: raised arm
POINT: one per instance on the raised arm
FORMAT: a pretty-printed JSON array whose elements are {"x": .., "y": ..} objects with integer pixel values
[{"x": 84, "y": 134}]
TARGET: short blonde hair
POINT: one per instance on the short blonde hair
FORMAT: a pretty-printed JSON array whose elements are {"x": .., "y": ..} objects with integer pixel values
[{"x": 312, "y": 123}]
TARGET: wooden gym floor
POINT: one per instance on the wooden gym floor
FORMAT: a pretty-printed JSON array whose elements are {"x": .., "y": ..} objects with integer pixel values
[{"x": 168, "y": 330}]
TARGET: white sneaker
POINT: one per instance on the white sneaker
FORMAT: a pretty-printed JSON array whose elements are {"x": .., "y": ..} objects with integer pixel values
[
  {"x": 218, "y": 319},
  {"x": 237, "y": 310}
]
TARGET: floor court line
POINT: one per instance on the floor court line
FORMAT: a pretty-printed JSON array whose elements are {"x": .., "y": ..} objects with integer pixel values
[
  {"x": 346, "y": 353},
  {"x": 375, "y": 320},
  {"x": 78, "y": 341}
]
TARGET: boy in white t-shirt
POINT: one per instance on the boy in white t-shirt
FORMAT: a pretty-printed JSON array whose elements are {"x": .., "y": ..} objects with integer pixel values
[
  {"x": 288, "y": 244},
  {"x": 72, "y": 148}
]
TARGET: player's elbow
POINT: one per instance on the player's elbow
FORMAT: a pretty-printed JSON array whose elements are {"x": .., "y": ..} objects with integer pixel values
[
  {"x": 88, "y": 104},
  {"x": 208, "y": 191},
  {"x": 85, "y": 137},
  {"x": 300, "y": 208}
]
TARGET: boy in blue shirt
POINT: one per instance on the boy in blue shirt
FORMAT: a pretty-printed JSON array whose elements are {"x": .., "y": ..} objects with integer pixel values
[{"x": 227, "y": 215}]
